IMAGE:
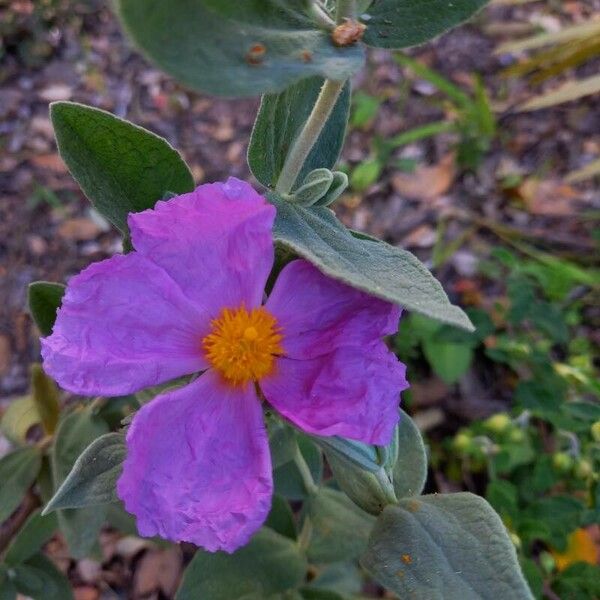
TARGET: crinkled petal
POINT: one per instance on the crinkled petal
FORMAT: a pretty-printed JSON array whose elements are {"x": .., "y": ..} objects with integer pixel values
[
  {"x": 318, "y": 314},
  {"x": 216, "y": 242},
  {"x": 124, "y": 325},
  {"x": 351, "y": 392},
  {"x": 198, "y": 467}
]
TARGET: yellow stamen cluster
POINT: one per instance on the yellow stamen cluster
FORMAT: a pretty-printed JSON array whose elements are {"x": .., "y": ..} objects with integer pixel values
[{"x": 242, "y": 345}]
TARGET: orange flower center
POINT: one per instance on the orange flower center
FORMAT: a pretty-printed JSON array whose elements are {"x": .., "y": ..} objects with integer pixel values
[{"x": 243, "y": 345}]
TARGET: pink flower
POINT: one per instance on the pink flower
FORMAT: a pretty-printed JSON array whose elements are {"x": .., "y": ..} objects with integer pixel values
[{"x": 190, "y": 299}]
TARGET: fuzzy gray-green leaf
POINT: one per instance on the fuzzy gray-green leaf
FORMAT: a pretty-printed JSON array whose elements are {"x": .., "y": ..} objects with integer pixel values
[
  {"x": 378, "y": 268},
  {"x": 404, "y": 23},
  {"x": 232, "y": 48},
  {"x": 281, "y": 117},
  {"x": 120, "y": 167},
  {"x": 445, "y": 546}
]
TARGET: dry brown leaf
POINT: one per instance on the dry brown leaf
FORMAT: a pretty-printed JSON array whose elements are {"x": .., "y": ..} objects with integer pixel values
[
  {"x": 79, "y": 229},
  {"x": 158, "y": 570},
  {"x": 550, "y": 198},
  {"x": 52, "y": 162},
  {"x": 427, "y": 182},
  {"x": 55, "y": 92}
]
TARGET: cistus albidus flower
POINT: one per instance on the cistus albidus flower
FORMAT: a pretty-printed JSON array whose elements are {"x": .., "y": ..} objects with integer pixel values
[{"x": 190, "y": 299}]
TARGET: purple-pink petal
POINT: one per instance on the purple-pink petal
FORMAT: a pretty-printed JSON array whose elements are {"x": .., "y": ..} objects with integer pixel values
[
  {"x": 124, "y": 325},
  {"x": 215, "y": 242},
  {"x": 319, "y": 314},
  {"x": 198, "y": 467},
  {"x": 352, "y": 392}
]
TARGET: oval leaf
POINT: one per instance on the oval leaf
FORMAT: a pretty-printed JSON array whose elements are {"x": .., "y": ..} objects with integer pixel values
[
  {"x": 18, "y": 471},
  {"x": 403, "y": 23},
  {"x": 75, "y": 433},
  {"x": 39, "y": 579},
  {"x": 232, "y": 48},
  {"x": 370, "y": 265},
  {"x": 44, "y": 299},
  {"x": 94, "y": 475},
  {"x": 340, "y": 530},
  {"x": 120, "y": 167},
  {"x": 36, "y": 531},
  {"x": 445, "y": 546},
  {"x": 409, "y": 471},
  {"x": 269, "y": 564},
  {"x": 281, "y": 117}
]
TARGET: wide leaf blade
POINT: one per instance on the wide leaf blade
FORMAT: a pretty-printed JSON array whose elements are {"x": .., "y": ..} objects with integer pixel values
[
  {"x": 404, "y": 23},
  {"x": 75, "y": 433},
  {"x": 280, "y": 119},
  {"x": 269, "y": 564},
  {"x": 232, "y": 48},
  {"x": 120, "y": 167},
  {"x": 18, "y": 471},
  {"x": 378, "y": 268},
  {"x": 445, "y": 546},
  {"x": 94, "y": 475},
  {"x": 44, "y": 300}
]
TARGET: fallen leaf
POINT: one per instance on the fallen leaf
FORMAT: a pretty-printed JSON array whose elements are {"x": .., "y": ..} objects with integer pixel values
[
  {"x": 52, "y": 162},
  {"x": 56, "y": 92},
  {"x": 79, "y": 229},
  {"x": 581, "y": 547},
  {"x": 550, "y": 198},
  {"x": 158, "y": 570},
  {"x": 426, "y": 182}
]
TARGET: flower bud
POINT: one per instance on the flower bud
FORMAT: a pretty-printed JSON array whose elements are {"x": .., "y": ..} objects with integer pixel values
[
  {"x": 583, "y": 469},
  {"x": 596, "y": 431},
  {"x": 562, "y": 462},
  {"x": 497, "y": 423},
  {"x": 462, "y": 441}
]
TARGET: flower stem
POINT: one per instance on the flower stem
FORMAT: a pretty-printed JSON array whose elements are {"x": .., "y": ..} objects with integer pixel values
[
  {"x": 344, "y": 10},
  {"x": 308, "y": 136},
  {"x": 321, "y": 16},
  {"x": 307, "y": 478}
]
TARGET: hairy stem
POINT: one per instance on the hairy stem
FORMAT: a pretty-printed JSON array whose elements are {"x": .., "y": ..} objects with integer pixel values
[
  {"x": 345, "y": 9},
  {"x": 321, "y": 16},
  {"x": 307, "y": 478},
  {"x": 308, "y": 136}
]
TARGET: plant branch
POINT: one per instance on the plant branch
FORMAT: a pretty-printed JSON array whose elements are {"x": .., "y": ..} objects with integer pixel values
[
  {"x": 345, "y": 9},
  {"x": 321, "y": 16},
  {"x": 307, "y": 478},
  {"x": 308, "y": 136}
]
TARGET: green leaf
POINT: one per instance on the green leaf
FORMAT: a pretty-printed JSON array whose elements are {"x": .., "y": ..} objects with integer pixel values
[
  {"x": 444, "y": 546},
  {"x": 365, "y": 174},
  {"x": 280, "y": 119},
  {"x": 39, "y": 579},
  {"x": 410, "y": 469},
  {"x": 94, "y": 475},
  {"x": 375, "y": 267},
  {"x": 121, "y": 167},
  {"x": 45, "y": 396},
  {"x": 75, "y": 433},
  {"x": 450, "y": 361},
  {"x": 232, "y": 48},
  {"x": 44, "y": 299},
  {"x": 36, "y": 531},
  {"x": 287, "y": 479},
  {"x": 269, "y": 564},
  {"x": 7, "y": 589},
  {"x": 336, "y": 189},
  {"x": 20, "y": 416},
  {"x": 315, "y": 185},
  {"x": 340, "y": 530},
  {"x": 403, "y": 23},
  {"x": 316, "y": 594},
  {"x": 18, "y": 471},
  {"x": 282, "y": 442},
  {"x": 281, "y": 518}
]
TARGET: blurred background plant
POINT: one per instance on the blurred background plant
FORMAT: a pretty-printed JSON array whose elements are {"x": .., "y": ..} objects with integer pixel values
[{"x": 478, "y": 152}]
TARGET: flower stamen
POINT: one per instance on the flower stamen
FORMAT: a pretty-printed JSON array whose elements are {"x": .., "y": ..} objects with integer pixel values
[{"x": 242, "y": 344}]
